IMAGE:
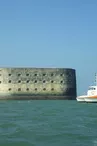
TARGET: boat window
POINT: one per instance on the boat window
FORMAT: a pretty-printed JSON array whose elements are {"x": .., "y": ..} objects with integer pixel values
[{"x": 92, "y": 88}]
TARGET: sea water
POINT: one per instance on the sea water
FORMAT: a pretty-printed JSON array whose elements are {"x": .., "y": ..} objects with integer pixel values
[{"x": 48, "y": 123}]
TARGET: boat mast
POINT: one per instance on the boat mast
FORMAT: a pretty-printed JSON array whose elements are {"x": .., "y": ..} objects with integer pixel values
[{"x": 96, "y": 79}]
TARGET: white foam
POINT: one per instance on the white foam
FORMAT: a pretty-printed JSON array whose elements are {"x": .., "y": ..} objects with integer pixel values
[{"x": 95, "y": 142}]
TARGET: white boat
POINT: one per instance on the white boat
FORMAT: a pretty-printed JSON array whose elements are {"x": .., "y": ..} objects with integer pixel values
[
  {"x": 91, "y": 99},
  {"x": 91, "y": 95},
  {"x": 81, "y": 98}
]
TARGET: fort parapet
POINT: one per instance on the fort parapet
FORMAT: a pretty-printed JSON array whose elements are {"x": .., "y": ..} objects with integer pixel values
[{"x": 37, "y": 83}]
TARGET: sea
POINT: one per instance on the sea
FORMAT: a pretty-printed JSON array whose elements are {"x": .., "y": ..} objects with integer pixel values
[{"x": 48, "y": 123}]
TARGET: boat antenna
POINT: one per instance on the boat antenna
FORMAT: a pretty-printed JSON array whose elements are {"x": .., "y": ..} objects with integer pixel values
[{"x": 96, "y": 79}]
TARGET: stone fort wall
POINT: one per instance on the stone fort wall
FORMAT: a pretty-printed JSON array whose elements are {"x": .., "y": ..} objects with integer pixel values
[{"x": 37, "y": 82}]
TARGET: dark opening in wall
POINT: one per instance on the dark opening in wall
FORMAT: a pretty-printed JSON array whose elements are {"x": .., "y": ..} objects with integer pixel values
[
  {"x": 27, "y": 81},
  {"x": 27, "y": 74},
  {"x": 52, "y": 74},
  {"x": 0, "y": 82},
  {"x": 35, "y": 89},
  {"x": 35, "y": 74},
  {"x": 9, "y": 89},
  {"x": 0, "y": 74},
  {"x": 61, "y": 82},
  {"x": 44, "y": 89},
  {"x": 27, "y": 89},
  {"x": 52, "y": 81},
  {"x": 9, "y": 74},
  {"x": 9, "y": 81},
  {"x": 19, "y": 74},
  {"x": 35, "y": 81},
  {"x": 19, "y": 81},
  {"x": 44, "y": 74},
  {"x": 44, "y": 81},
  {"x": 19, "y": 89},
  {"x": 52, "y": 89},
  {"x": 61, "y": 74}
]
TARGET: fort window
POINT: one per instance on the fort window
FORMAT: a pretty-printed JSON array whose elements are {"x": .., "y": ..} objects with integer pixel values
[
  {"x": 52, "y": 81},
  {"x": 70, "y": 74},
  {"x": 61, "y": 74},
  {"x": 35, "y": 74},
  {"x": 35, "y": 81},
  {"x": 27, "y": 81},
  {"x": 19, "y": 89},
  {"x": 44, "y": 74},
  {"x": 27, "y": 89},
  {"x": 52, "y": 89},
  {"x": 19, "y": 81},
  {"x": 9, "y": 74},
  {"x": 27, "y": 74},
  {"x": 44, "y": 81},
  {"x": 19, "y": 74},
  {"x": 61, "y": 82},
  {"x": 35, "y": 89},
  {"x": 52, "y": 74},
  {"x": 44, "y": 89},
  {"x": 9, "y": 89},
  {"x": 9, "y": 81}
]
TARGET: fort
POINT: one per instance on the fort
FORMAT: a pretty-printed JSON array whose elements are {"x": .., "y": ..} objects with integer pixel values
[{"x": 38, "y": 83}]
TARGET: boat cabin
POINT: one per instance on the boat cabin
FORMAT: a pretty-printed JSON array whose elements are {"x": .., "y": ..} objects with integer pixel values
[{"x": 92, "y": 90}]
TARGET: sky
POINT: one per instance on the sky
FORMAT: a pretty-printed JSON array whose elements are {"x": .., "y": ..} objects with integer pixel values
[{"x": 50, "y": 33}]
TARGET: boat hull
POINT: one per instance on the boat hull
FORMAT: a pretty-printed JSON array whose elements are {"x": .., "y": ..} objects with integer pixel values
[
  {"x": 91, "y": 99},
  {"x": 81, "y": 98}
]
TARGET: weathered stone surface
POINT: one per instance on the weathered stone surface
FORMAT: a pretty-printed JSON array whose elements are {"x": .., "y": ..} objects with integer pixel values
[{"x": 37, "y": 83}]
